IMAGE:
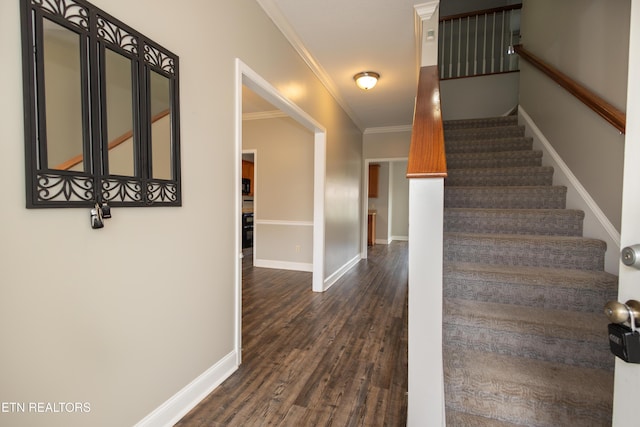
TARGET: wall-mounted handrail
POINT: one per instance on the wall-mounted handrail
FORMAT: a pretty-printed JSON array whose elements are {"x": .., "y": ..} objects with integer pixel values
[
  {"x": 607, "y": 111},
  {"x": 482, "y": 12},
  {"x": 113, "y": 144},
  {"x": 426, "y": 153}
]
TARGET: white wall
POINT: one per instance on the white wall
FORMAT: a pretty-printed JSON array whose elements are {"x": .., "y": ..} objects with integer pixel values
[
  {"x": 283, "y": 198},
  {"x": 124, "y": 317},
  {"x": 588, "y": 41}
]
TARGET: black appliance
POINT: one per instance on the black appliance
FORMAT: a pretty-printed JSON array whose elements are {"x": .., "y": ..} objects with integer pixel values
[
  {"x": 247, "y": 230},
  {"x": 246, "y": 186}
]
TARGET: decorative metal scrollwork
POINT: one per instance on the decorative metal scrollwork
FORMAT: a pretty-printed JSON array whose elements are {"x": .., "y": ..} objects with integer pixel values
[
  {"x": 67, "y": 9},
  {"x": 64, "y": 188},
  {"x": 121, "y": 190},
  {"x": 158, "y": 58},
  {"x": 159, "y": 192},
  {"x": 115, "y": 35},
  {"x": 121, "y": 78}
]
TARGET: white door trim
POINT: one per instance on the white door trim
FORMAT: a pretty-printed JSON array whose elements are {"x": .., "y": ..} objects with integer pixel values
[
  {"x": 627, "y": 375},
  {"x": 246, "y": 76}
]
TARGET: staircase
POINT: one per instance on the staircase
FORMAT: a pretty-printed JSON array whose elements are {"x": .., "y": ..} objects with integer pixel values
[{"x": 525, "y": 340}]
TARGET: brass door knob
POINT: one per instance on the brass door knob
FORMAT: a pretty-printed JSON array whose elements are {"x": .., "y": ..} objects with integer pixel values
[{"x": 618, "y": 312}]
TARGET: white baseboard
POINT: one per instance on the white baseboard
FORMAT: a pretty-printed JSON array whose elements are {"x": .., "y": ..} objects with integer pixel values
[
  {"x": 331, "y": 280},
  {"x": 400, "y": 238},
  {"x": 596, "y": 223},
  {"x": 383, "y": 241},
  {"x": 171, "y": 411},
  {"x": 283, "y": 265}
]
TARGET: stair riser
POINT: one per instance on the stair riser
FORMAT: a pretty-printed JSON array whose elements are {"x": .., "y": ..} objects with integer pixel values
[
  {"x": 480, "y": 123},
  {"x": 523, "y": 253},
  {"x": 505, "y": 198},
  {"x": 484, "y": 133},
  {"x": 552, "y": 297},
  {"x": 499, "y": 178},
  {"x": 466, "y": 163},
  {"x": 491, "y": 145},
  {"x": 575, "y": 352},
  {"x": 512, "y": 222}
]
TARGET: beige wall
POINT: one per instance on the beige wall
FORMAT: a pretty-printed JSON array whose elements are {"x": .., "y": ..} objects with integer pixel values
[
  {"x": 399, "y": 185},
  {"x": 478, "y": 97},
  {"x": 284, "y": 188},
  {"x": 380, "y": 144},
  {"x": 587, "y": 40},
  {"x": 385, "y": 145},
  {"x": 126, "y": 316}
]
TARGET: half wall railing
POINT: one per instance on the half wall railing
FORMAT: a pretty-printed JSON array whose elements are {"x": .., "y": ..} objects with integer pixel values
[
  {"x": 426, "y": 152},
  {"x": 426, "y": 171},
  {"x": 478, "y": 43}
]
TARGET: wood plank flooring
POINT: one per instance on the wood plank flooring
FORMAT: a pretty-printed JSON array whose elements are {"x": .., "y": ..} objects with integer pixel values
[{"x": 337, "y": 358}]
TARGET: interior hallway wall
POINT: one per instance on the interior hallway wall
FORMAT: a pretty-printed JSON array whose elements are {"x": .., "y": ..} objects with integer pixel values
[
  {"x": 283, "y": 220},
  {"x": 126, "y": 316},
  {"x": 587, "y": 40}
]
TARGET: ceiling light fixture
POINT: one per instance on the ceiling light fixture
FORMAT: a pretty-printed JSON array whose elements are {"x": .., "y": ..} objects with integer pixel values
[{"x": 366, "y": 80}]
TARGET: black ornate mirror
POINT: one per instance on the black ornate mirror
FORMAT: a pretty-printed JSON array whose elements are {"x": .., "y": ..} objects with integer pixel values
[{"x": 101, "y": 110}]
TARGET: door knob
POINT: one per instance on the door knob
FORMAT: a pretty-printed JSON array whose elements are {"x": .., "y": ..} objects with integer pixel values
[
  {"x": 631, "y": 256},
  {"x": 618, "y": 312}
]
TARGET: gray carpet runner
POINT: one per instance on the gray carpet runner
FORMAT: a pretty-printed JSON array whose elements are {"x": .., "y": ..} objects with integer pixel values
[{"x": 524, "y": 335}]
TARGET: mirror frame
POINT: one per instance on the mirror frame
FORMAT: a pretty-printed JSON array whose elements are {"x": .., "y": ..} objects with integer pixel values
[{"x": 97, "y": 30}]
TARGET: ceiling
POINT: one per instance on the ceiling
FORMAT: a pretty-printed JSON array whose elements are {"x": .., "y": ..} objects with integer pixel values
[
  {"x": 343, "y": 37},
  {"x": 339, "y": 38}
]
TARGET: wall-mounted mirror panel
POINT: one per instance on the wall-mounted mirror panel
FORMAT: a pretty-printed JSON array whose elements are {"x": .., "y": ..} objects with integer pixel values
[
  {"x": 63, "y": 87},
  {"x": 101, "y": 109},
  {"x": 119, "y": 97},
  {"x": 160, "y": 95}
]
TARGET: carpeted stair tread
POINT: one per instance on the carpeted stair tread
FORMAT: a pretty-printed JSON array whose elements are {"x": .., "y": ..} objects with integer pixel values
[
  {"x": 484, "y": 133},
  {"x": 525, "y": 338},
  {"x": 564, "y": 222},
  {"x": 571, "y": 337},
  {"x": 479, "y": 123},
  {"x": 526, "y": 250},
  {"x": 527, "y": 391},
  {"x": 555, "y": 288},
  {"x": 501, "y": 177},
  {"x": 494, "y": 159},
  {"x": 516, "y": 143},
  {"x": 461, "y": 419},
  {"x": 518, "y": 197}
]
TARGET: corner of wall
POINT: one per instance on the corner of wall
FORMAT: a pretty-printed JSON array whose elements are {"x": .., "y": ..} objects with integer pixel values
[
  {"x": 596, "y": 224},
  {"x": 177, "y": 406}
]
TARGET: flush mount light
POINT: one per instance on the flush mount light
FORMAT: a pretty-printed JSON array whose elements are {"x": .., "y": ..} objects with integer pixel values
[{"x": 366, "y": 80}]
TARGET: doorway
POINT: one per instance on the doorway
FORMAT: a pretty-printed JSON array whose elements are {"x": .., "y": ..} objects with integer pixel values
[
  {"x": 388, "y": 204},
  {"x": 249, "y": 78}
]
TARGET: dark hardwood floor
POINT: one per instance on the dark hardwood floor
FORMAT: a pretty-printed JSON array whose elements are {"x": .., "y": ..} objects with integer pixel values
[{"x": 337, "y": 358}]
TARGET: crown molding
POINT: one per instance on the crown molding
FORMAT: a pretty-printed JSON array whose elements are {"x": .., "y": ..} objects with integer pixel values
[
  {"x": 388, "y": 129},
  {"x": 426, "y": 10},
  {"x": 273, "y": 12},
  {"x": 261, "y": 115}
]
